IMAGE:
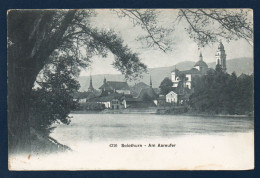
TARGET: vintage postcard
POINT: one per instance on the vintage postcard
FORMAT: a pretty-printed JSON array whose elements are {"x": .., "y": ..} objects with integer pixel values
[{"x": 130, "y": 89}]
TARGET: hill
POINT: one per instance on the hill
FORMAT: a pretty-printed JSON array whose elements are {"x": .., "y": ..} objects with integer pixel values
[{"x": 238, "y": 65}]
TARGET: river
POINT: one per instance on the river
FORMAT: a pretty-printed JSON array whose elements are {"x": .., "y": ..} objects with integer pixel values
[
  {"x": 195, "y": 143},
  {"x": 115, "y": 127}
]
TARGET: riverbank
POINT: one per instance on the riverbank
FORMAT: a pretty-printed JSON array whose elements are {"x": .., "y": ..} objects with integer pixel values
[
  {"x": 153, "y": 111},
  {"x": 120, "y": 111},
  {"x": 85, "y": 112},
  {"x": 217, "y": 115}
]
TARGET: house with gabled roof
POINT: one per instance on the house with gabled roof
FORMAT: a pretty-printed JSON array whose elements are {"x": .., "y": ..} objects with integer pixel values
[
  {"x": 109, "y": 87},
  {"x": 148, "y": 94},
  {"x": 171, "y": 97}
]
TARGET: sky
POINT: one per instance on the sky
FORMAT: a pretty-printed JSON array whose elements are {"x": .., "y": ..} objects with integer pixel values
[{"x": 184, "y": 48}]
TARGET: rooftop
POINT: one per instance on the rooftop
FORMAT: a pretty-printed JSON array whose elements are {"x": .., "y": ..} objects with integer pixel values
[
  {"x": 149, "y": 91},
  {"x": 106, "y": 98},
  {"x": 111, "y": 85},
  {"x": 191, "y": 71},
  {"x": 201, "y": 63}
]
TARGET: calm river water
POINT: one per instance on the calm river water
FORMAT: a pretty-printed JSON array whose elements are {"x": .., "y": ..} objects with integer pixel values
[
  {"x": 109, "y": 127},
  {"x": 200, "y": 143}
]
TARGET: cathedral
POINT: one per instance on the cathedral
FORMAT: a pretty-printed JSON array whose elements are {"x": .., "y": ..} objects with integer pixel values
[{"x": 183, "y": 79}]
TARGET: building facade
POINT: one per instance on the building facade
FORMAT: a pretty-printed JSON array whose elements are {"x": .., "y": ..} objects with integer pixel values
[
  {"x": 112, "y": 101},
  {"x": 185, "y": 77},
  {"x": 172, "y": 97},
  {"x": 182, "y": 80}
]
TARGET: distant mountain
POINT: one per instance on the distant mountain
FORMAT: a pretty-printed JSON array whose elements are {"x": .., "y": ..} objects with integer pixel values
[{"x": 238, "y": 65}]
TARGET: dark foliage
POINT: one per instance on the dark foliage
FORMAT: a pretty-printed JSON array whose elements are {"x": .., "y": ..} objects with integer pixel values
[
  {"x": 53, "y": 100},
  {"x": 147, "y": 98},
  {"x": 166, "y": 86},
  {"x": 222, "y": 93}
]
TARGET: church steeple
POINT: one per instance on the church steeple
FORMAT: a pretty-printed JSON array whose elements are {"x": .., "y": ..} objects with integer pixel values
[
  {"x": 90, "y": 88},
  {"x": 105, "y": 80},
  {"x": 151, "y": 84},
  {"x": 201, "y": 57},
  {"x": 221, "y": 57}
]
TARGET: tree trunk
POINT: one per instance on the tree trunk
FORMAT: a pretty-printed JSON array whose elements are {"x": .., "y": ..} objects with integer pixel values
[{"x": 20, "y": 83}]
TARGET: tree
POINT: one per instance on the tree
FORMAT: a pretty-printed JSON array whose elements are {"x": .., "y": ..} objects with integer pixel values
[
  {"x": 222, "y": 93},
  {"x": 204, "y": 26},
  {"x": 35, "y": 39},
  {"x": 166, "y": 86},
  {"x": 245, "y": 85},
  {"x": 156, "y": 35},
  {"x": 52, "y": 101},
  {"x": 228, "y": 24},
  {"x": 218, "y": 68}
]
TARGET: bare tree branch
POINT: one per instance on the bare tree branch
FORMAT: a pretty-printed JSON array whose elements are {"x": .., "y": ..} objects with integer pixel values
[
  {"x": 208, "y": 25},
  {"x": 157, "y": 36}
]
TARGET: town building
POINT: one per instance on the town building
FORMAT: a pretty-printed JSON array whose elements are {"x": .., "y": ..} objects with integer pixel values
[
  {"x": 200, "y": 68},
  {"x": 109, "y": 87},
  {"x": 185, "y": 77},
  {"x": 148, "y": 94},
  {"x": 146, "y": 97},
  {"x": 182, "y": 80},
  {"x": 136, "y": 89},
  {"x": 83, "y": 97},
  {"x": 172, "y": 97},
  {"x": 112, "y": 101},
  {"x": 161, "y": 100}
]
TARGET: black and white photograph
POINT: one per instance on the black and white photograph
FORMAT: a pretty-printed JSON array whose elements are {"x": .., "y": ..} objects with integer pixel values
[{"x": 130, "y": 89}]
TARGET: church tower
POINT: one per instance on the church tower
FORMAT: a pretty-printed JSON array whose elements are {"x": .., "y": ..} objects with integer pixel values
[
  {"x": 151, "y": 84},
  {"x": 90, "y": 88},
  {"x": 105, "y": 80},
  {"x": 201, "y": 57},
  {"x": 221, "y": 57}
]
